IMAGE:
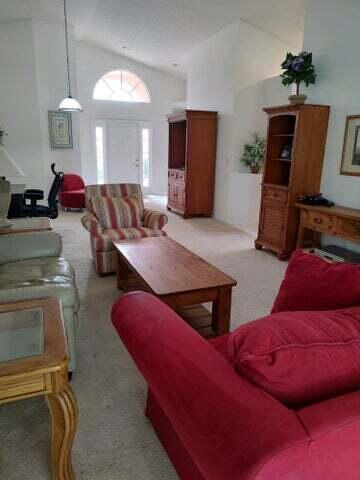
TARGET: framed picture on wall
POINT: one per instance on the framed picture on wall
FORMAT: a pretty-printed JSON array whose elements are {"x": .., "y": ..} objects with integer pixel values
[
  {"x": 60, "y": 129},
  {"x": 350, "y": 162}
]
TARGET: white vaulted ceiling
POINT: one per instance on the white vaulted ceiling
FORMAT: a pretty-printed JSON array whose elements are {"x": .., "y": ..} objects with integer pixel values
[{"x": 160, "y": 32}]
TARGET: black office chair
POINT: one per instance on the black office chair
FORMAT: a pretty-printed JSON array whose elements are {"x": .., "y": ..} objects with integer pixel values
[{"x": 30, "y": 207}]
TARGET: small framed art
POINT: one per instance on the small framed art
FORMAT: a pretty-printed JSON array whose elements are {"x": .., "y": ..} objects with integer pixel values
[
  {"x": 350, "y": 162},
  {"x": 60, "y": 129}
]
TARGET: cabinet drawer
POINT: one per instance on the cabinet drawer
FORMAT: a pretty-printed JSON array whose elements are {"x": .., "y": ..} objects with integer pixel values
[
  {"x": 320, "y": 221},
  {"x": 172, "y": 173},
  {"x": 275, "y": 194},
  {"x": 180, "y": 176},
  {"x": 349, "y": 228}
]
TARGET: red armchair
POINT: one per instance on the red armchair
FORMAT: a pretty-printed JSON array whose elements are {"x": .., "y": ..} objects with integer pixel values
[
  {"x": 216, "y": 425},
  {"x": 72, "y": 192}
]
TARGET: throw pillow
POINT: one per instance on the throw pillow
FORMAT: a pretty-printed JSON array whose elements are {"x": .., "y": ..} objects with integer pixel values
[
  {"x": 312, "y": 283},
  {"x": 300, "y": 357},
  {"x": 117, "y": 212}
]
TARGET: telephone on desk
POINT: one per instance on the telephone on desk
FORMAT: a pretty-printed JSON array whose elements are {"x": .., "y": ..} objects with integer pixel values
[{"x": 315, "y": 199}]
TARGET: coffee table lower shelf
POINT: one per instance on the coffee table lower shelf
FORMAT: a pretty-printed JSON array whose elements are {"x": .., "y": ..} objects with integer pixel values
[{"x": 197, "y": 316}]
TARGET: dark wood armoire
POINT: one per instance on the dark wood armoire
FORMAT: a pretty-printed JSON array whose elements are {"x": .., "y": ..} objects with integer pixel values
[
  {"x": 296, "y": 139},
  {"x": 191, "y": 167}
]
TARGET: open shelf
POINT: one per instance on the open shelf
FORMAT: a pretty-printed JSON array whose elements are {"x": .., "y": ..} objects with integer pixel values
[
  {"x": 275, "y": 185},
  {"x": 177, "y": 145},
  {"x": 283, "y": 135}
]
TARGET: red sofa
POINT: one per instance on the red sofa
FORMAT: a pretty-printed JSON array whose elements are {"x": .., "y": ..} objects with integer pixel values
[
  {"x": 215, "y": 424},
  {"x": 72, "y": 192}
]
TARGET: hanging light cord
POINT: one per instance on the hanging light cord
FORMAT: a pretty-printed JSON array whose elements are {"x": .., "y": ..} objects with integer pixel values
[{"x": 67, "y": 49}]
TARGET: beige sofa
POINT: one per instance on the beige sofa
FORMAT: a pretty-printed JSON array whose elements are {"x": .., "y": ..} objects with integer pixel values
[{"x": 31, "y": 267}]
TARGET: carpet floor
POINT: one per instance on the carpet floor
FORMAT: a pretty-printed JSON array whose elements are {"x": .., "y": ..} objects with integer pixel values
[{"x": 114, "y": 440}]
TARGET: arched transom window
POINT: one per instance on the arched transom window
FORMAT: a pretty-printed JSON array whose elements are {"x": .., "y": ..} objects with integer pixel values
[{"x": 121, "y": 86}]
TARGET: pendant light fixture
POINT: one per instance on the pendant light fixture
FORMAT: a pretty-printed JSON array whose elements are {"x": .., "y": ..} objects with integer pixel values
[{"x": 69, "y": 104}]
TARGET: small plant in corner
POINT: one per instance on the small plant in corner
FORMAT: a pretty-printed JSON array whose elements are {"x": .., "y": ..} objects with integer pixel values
[
  {"x": 297, "y": 69},
  {"x": 253, "y": 153}
]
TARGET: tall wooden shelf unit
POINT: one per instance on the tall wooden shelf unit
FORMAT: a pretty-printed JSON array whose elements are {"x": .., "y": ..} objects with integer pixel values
[
  {"x": 192, "y": 151},
  {"x": 304, "y": 129}
]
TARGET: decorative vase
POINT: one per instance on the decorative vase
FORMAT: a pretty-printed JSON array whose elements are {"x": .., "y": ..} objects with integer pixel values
[
  {"x": 255, "y": 168},
  {"x": 298, "y": 98}
]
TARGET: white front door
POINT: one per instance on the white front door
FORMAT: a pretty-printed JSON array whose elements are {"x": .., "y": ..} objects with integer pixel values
[{"x": 122, "y": 152}]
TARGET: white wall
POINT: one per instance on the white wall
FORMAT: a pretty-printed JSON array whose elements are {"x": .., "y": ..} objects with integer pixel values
[
  {"x": 19, "y": 105},
  {"x": 51, "y": 84},
  {"x": 225, "y": 73},
  {"x": 32, "y": 81},
  {"x": 92, "y": 64},
  {"x": 332, "y": 34},
  {"x": 243, "y": 201}
]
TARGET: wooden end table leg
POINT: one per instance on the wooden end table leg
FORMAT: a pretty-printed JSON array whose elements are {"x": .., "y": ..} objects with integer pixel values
[
  {"x": 300, "y": 237},
  {"x": 317, "y": 239},
  {"x": 221, "y": 311},
  {"x": 122, "y": 273},
  {"x": 64, "y": 415}
]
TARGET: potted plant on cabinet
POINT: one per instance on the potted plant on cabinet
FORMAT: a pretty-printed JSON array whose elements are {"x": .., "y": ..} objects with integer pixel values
[
  {"x": 297, "y": 69},
  {"x": 253, "y": 153}
]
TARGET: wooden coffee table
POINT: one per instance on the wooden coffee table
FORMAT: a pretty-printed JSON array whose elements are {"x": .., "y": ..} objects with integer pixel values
[
  {"x": 33, "y": 362},
  {"x": 179, "y": 278}
]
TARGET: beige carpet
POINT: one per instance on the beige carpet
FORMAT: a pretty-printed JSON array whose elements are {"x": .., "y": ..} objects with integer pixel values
[{"x": 114, "y": 439}]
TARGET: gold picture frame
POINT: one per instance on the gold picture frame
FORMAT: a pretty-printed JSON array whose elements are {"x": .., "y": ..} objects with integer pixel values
[
  {"x": 350, "y": 161},
  {"x": 60, "y": 128}
]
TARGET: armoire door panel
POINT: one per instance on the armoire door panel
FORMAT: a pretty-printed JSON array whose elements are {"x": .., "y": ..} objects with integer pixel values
[{"x": 272, "y": 224}]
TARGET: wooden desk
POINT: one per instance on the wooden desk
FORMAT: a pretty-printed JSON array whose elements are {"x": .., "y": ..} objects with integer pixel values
[
  {"x": 34, "y": 362},
  {"x": 179, "y": 278},
  {"x": 339, "y": 221}
]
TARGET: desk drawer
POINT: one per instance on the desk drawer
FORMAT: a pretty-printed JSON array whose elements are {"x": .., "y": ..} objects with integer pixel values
[
  {"x": 320, "y": 221},
  {"x": 349, "y": 228}
]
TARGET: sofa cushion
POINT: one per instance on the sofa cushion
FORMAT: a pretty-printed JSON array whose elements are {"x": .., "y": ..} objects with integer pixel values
[
  {"x": 221, "y": 345},
  {"x": 300, "y": 357},
  {"x": 312, "y": 283},
  {"x": 116, "y": 212},
  {"x": 39, "y": 278},
  {"x": 104, "y": 242},
  {"x": 112, "y": 190}
]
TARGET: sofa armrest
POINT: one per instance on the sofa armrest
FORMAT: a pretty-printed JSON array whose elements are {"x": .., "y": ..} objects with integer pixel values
[
  {"x": 91, "y": 223},
  {"x": 23, "y": 246},
  {"x": 154, "y": 219},
  {"x": 228, "y": 426}
]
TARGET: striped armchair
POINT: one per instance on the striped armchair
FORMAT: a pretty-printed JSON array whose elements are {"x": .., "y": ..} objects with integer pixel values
[{"x": 101, "y": 238}]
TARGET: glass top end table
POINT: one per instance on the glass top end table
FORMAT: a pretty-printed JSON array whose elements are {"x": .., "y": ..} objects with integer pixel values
[
  {"x": 21, "y": 334},
  {"x": 33, "y": 362}
]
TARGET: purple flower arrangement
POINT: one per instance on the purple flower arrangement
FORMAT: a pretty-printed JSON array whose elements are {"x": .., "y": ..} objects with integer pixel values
[{"x": 297, "y": 69}]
